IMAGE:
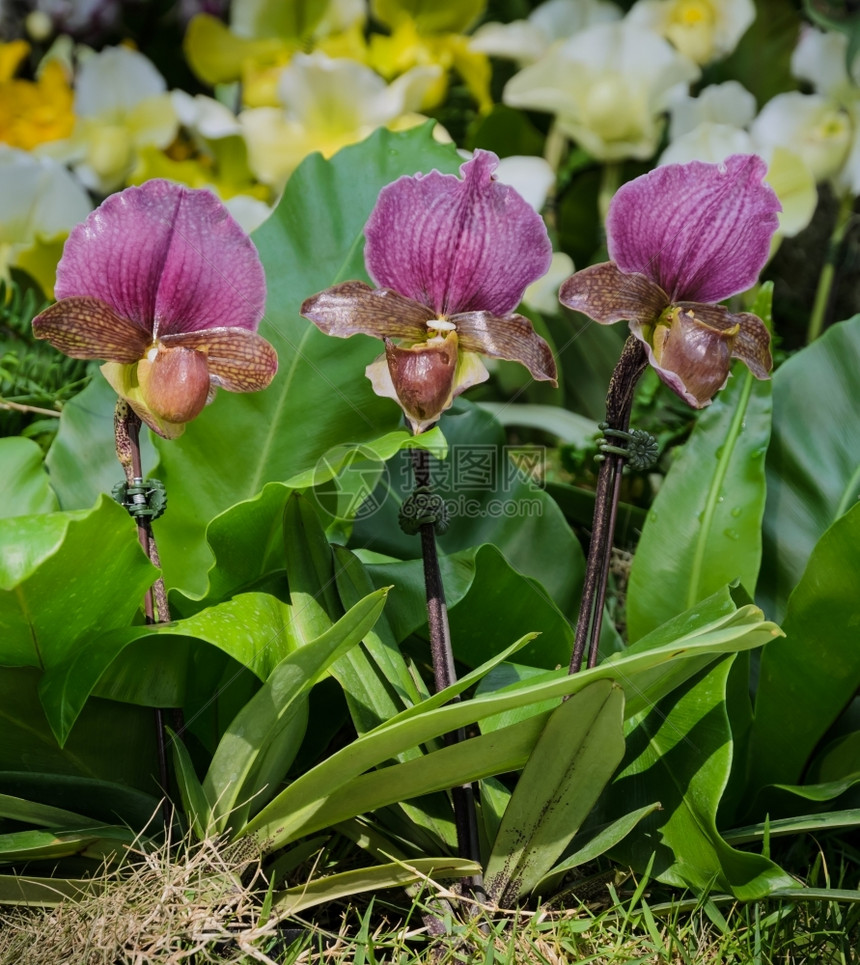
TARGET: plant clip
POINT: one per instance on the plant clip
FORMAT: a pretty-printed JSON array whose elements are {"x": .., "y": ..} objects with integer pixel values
[
  {"x": 423, "y": 507},
  {"x": 640, "y": 452},
  {"x": 143, "y": 500}
]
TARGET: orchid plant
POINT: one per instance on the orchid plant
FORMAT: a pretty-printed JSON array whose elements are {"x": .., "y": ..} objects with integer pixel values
[
  {"x": 275, "y": 648},
  {"x": 682, "y": 238},
  {"x": 451, "y": 259}
]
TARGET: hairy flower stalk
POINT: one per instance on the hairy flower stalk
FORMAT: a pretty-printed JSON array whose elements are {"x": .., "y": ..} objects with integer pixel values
[
  {"x": 163, "y": 285},
  {"x": 450, "y": 258},
  {"x": 681, "y": 238}
]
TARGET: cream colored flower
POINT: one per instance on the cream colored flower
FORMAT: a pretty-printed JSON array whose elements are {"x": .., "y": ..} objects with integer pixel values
[
  {"x": 728, "y": 103},
  {"x": 327, "y": 104},
  {"x": 608, "y": 87},
  {"x": 122, "y": 106},
  {"x": 704, "y": 30},
  {"x": 824, "y": 126},
  {"x": 39, "y": 204},
  {"x": 526, "y": 41}
]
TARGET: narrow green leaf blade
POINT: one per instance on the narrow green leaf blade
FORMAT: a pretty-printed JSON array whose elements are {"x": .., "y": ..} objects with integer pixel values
[
  {"x": 261, "y": 741},
  {"x": 349, "y": 883},
  {"x": 574, "y": 759},
  {"x": 704, "y": 529}
]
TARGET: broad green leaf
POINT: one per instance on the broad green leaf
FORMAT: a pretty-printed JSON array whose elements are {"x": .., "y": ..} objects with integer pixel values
[
  {"x": 82, "y": 459},
  {"x": 599, "y": 844},
  {"x": 704, "y": 529},
  {"x": 838, "y": 759},
  {"x": 492, "y": 497},
  {"x": 348, "y": 883},
  {"x": 568, "y": 427},
  {"x": 253, "y": 628},
  {"x": 94, "y": 841},
  {"x": 101, "y": 801},
  {"x": 247, "y": 540},
  {"x": 31, "y": 812},
  {"x": 62, "y": 575},
  {"x": 679, "y": 752},
  {"x": 112, "y": 742},
  {"x": 813, "y": 462},
  {"x": 261, "y": 742},
  {"x": 642, "y": 675},
  {"x": 489, "y": 605},
  {"x": 24, "y": 486},
  {"x": 44, "y": 892},
  {"x": 320, "y": 398},
  {"x": 806, "y": 679},
  {"x": 571, "y": 763},
  {"x": 460, "y": 763}
]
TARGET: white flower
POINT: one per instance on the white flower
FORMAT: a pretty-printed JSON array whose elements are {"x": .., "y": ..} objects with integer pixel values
[
  {"x": 530, "y": 177},
  {"x": 823, "y": 127},
  {"x": 819, "y": 58},
  {"x": 204, "y": 116},
  {"x": 728, "y": 103},
  {"x": 526, "y": 41},
  {"x": 122, "y": 105},
  {"x": 608, "y": 87},
  {"x": 327, "y": 104},
  {"x": 40, "y": 203},
  {"x": 542, "y": 295},
  {"x": 813, "y": 125},
  {"x": 704, "y": 30}
]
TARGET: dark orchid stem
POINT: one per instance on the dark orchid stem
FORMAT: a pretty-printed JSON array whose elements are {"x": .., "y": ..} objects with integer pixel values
[
  {"x": 463, "y": 796},
  {"x": 619, "y": 402},
  {"x": 127, "y": 435}
]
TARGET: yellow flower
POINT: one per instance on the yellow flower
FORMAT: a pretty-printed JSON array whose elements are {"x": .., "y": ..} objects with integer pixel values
[
  {"x": 262, "y": 38},
  {"x": 32, "y": 112},
  {"x": 326, "y": 104},
  {"x": 428, "y": 39}
]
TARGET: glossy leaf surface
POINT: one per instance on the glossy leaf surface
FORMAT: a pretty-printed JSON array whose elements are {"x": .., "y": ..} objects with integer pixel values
[
  {"x": 24, "y": 486},
  {"x": 813, "y": 462},
  {"x": 704, "y": 529},
  {"x": 807, "y": 679}
]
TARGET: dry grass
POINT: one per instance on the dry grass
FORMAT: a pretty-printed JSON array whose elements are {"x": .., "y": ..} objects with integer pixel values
[
  {"x": 197, "y": 903},
  {"x": 201, "y": 903}
]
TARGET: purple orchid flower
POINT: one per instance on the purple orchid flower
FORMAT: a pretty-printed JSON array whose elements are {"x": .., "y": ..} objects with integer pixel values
[
  {"x": 682, "y": 238},
  {"x": 163, "y": 284},
  {"x": 450, "y": 259}
]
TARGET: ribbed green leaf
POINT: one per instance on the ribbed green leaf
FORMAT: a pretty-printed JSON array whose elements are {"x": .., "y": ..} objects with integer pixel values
[{"x": 573, "y": 760}]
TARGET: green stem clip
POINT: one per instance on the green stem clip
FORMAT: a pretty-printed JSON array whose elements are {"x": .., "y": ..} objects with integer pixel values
[{"x": 143, "y": 500}]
